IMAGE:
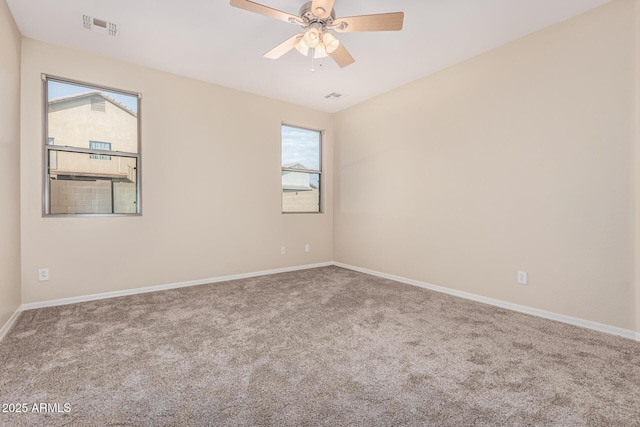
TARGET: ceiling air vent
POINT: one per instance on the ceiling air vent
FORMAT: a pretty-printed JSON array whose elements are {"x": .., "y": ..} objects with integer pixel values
[
  {"x": 100, "y": 26},
  {"x": 333, "y": 95}
]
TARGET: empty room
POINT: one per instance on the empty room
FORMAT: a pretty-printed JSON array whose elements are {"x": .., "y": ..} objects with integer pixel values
[{"x": 326, "y": 212}]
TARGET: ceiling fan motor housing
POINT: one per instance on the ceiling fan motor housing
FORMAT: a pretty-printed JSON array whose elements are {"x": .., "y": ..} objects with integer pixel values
[{"x": 309, "y": 17}]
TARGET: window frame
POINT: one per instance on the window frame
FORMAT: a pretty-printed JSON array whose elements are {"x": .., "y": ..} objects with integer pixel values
[
  {"x": 307, "y": 171},
  {"x": 47, "y": 148}
]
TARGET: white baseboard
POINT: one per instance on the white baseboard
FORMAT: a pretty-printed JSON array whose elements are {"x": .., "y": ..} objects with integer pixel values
[
  {"x": 498, "y": 303},
  {"x": 94, "y": 297},
  {"x": 502, "y": 304},
  {"x": 7, "y": 326}
]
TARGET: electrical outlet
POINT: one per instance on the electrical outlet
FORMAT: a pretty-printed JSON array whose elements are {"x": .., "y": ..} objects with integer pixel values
[
  {"x": 522, "y": 277},
  {"x": 43, "y": 275},
  {"x": 283, "y": 250},
  {"x": 307, "y": 248}
]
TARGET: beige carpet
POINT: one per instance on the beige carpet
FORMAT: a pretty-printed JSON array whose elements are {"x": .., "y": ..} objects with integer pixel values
[{"x": 326, "y": 346}]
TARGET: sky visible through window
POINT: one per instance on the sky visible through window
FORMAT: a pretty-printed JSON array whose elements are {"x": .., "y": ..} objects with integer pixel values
[
  {"x": 302, "y": 146},
  {"x": 58, "y": 89}
]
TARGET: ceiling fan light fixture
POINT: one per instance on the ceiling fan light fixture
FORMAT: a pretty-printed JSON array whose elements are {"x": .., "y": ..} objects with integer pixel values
[
  {"x": 330, "y": 42},
  {"x": 302, "y": 46},
  {"x": 312, "y": 37},
  {"x": 320, "y": 51}
]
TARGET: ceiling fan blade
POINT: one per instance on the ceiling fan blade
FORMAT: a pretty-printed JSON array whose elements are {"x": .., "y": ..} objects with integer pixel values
[
  {"x": 380, "y": 22},
  {"x": 342, "y": 56},
  {"x": 283, "y": 47},
  {"x": 264, "y": 10},
  {"x": 322, "y": 8}
]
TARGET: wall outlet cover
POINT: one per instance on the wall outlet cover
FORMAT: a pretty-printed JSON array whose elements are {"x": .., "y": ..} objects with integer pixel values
[
  {"x": 522, "y": 277},
  {"x": 43, "y": 274}
]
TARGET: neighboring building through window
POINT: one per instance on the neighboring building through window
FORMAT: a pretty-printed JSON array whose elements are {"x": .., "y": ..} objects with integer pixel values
[
  {"x": 301, "y": 170},
  {"x": 84, "y": 173}
]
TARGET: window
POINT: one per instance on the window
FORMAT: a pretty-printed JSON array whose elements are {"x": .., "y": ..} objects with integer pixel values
[
  {"x": 84, "y": 174},
  {"x": 97, "y": 145},
  {"x": 301, "y": 170}
]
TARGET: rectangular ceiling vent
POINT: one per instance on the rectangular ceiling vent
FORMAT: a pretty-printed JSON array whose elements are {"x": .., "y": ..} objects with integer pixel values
[
  {"x": 333, "y": 95},
  {"x": 100, "y": 26}
]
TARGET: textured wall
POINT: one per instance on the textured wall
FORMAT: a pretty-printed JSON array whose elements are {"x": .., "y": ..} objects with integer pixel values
[
  {"x": 10, "y": 43},
  {"x": 518, "y": 159},
  {"x": 195, "y": 222}
]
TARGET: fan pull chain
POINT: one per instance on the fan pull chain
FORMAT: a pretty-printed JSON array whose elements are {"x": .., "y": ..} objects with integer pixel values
[{"x": 313, "y": 53}]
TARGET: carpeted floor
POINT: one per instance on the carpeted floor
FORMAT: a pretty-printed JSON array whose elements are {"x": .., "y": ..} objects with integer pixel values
[{"x": 326, "y": 346}]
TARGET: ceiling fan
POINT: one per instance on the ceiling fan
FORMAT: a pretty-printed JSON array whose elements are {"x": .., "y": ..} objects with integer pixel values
[{"x": 318, "y": 18}]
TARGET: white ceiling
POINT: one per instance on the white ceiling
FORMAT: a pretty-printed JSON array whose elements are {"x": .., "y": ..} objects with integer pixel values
[{"x": 211, "y": 41}]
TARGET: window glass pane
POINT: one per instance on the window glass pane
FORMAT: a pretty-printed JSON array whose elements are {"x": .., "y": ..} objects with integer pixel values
[
  {"x": 300, "y": 148},
  {"x": 79, "y": 114},
  {"x": 83, "y": 185},
  {"x": 300, "y": 192}
]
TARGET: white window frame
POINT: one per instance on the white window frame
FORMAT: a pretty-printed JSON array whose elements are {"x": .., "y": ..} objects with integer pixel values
[{"x": 47, "y": 148}]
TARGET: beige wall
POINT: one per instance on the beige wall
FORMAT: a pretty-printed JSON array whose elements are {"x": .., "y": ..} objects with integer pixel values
[
  {"x": 10, "y": 42},
  {"x": 196, "y": 223},
  {"x": 518, "y": 159}
]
